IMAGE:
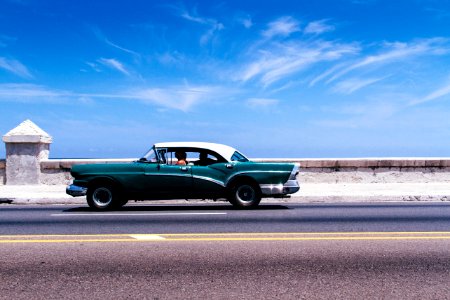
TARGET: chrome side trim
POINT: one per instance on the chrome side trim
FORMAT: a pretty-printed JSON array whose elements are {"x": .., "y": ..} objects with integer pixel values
[
  {"x": 169, "y": 174},
  {"x": 210, "y": 180},
  {"x": 260, "y": 171},
  {"x": 76, "y": 191},
  {"x": 189, "y": 176},
  {"x": 290, "y": 187}
]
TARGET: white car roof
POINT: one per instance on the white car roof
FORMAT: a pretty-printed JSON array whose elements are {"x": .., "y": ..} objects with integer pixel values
[{"x": 223, "y": 150}]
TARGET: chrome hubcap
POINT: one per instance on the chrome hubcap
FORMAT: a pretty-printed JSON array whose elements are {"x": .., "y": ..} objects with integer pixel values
[
  {"x": 102, "y": 197},
  {"x": 245, "y": 193}
]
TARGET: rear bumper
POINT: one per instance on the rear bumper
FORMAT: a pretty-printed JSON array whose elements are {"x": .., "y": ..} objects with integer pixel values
[
  {"x": 76, "y": 191},
  {"x": 290, "y": 187}
]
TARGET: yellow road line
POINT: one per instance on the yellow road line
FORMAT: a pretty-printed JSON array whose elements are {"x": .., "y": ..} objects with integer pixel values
[
  {"x": 225, "y": 237},
  {"x": 233, "y": 234},
  {"x": 308, "y": 233},
  {"x": 313, "y": 238},
  {"x": 66, "y": 241}
]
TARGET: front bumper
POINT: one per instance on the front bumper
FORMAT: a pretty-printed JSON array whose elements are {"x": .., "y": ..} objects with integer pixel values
[
  {"x": 290, "y": 187},
  {"x": 76, "y": 191}
]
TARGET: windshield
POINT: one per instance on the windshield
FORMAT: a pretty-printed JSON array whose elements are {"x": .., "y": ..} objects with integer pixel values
[
  {"x": 155, "y": 156},
  {"x": 150, "y": 156},
  {"x": 238, "y": 157}
]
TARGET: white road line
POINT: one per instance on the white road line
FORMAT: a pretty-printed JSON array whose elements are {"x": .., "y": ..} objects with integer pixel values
[{"x": 134, "y": 214}]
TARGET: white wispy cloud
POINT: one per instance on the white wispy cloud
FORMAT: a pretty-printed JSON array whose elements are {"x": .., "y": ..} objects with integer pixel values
[
  {"x": 194, "y": 17},
  {"x": 436, "y": 94},
  {"x": 247, "y": 22},
  {"x": 99, "y": 34},
  {"x": 397, "y": 52},
  {"x": 262, "y": 103},
  {"x": 182, "y": 98},
  {"x": 243, "y": 19},
  {"x": 284, "y": 60},
  {"x": 318, "y": 27},
  {"x": 122, "y": 48},
  {"x": 438, "y": 13},
  {"x": 170, "y": 58},
  {"x": 205, "y": 38},
  {"x": 5, "y": 40},
  {"x": 93, "y": 66},
  {"x": 15, "y": 67},
  {"x": 177, "y": 97},
  {"x": 214, "y": 25},
  {"x": 114, "y": 64},
  {"x": 326, "y": 74},
  {"x": 16, "y": 91},
  {"x": 351, "y": 85},
  {"x": 283, "y": 27}
]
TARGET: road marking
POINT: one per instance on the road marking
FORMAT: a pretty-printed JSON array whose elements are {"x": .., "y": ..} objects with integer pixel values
[
  {"x": 314, "y": 233},
  {"x": 135, "y": 214},
  {"x": 147, "y": 237},
  {"x": 225, "y": 237}
]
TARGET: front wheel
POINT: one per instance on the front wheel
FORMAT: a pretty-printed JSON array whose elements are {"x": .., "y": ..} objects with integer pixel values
[
  {"x": 103, "y": 197},
  {"x": 245, "y": 195}
]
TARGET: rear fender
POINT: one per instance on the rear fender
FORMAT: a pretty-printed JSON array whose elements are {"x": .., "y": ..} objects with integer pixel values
[{"x": 242, "y": 179}]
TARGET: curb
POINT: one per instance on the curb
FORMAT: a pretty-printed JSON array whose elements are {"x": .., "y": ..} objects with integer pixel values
[{"x": 296, "y": 200}]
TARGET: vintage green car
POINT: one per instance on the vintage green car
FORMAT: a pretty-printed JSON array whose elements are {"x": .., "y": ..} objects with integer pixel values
[{"x": 184, "y": 170}]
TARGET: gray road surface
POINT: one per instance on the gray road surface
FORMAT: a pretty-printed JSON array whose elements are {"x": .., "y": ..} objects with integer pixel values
[
  {"x": 221, "y": 269},
  {"x": 377, "y": 251},
  {"x": 26, "y": 219}
]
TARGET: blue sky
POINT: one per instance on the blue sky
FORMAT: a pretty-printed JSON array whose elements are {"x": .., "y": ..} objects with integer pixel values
[{"x": 342, "y": 78}]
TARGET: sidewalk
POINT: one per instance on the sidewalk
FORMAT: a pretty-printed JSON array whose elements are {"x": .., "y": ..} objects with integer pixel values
[{"x": 344, "y": 192}]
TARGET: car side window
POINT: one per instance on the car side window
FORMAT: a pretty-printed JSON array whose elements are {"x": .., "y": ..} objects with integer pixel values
[
  {"x": 205, "y": 158},
  {"x": 197, "y": 157},
  {"x": 238, "y": 157},
  {"x": 151, "y": 156},
  {"x": 162, "y": 155},
  {"x": 171, "y": 156}
]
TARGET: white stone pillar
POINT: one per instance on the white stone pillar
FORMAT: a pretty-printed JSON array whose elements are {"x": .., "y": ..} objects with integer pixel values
[{"x": 26, "y": 146}]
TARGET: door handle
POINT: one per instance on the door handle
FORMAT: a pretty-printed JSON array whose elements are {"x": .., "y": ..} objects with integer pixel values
[{"x": 184, "y": 169}]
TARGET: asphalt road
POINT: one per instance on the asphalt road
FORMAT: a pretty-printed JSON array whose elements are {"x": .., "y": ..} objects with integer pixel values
[
  {"x": 313, "y": 251},
  {"x": 222, "y": 218}
]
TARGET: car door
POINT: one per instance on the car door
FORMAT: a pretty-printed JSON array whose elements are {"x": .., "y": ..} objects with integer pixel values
[
  {"x": 167, "y": 181},
  {"x": 209, "y": 181}
]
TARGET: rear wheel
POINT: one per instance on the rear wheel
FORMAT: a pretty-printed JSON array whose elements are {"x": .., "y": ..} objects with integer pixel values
[
  {"x": 104, "y": 197},
  {"x": 245, "y": 195}
]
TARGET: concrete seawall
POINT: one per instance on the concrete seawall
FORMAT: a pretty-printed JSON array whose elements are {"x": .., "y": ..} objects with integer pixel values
[
  {"x": 321, "y": 180},
  {"x": 349, "y": 170},
  {"x": 368, "y": 170},
  {"x": 2, "y": 171}
]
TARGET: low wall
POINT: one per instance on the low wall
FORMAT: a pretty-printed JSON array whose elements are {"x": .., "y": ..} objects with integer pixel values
[
  {"x": 368, "y": 170},
  {"x": 2, "y": 171},
  {"x": 372, "y": 170}
]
